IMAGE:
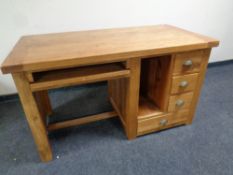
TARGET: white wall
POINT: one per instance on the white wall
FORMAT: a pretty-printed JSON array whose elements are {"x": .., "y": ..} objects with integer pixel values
[{"x": 22, "y": 17}]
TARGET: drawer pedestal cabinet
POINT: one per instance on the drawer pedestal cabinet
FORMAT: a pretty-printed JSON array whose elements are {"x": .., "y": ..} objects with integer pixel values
[{"x": 154, "y": 75}]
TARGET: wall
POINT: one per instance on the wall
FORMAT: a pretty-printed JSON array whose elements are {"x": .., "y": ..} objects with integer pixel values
[{"x": 22, "y": 17}]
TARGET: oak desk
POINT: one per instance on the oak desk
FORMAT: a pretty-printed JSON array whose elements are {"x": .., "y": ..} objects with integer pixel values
[{"x": 154, "y": 75}]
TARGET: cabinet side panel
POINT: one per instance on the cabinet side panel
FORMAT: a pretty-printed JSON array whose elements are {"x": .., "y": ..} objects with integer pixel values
[
  {"x": 117, "y": 95},
  {"x": 155, "y": 80},
  {"x": 205, "y": 59}
]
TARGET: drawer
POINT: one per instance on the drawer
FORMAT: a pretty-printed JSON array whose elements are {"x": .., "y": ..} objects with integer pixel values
[
  {"x": 184, "y": 83},
  {"x": 181, "y": 101},
  {"x": 181, "y": 114},
  {"x": 188, "y": 62},
  {"x": 160, "y": 122}
]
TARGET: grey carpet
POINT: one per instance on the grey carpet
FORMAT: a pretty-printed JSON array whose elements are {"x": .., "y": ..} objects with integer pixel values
[{"x": 205, "y": 147}]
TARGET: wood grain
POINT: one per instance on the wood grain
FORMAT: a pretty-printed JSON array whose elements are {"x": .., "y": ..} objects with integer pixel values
[
  {"x": 49, "y": 61},
  {"x": 117, "y": 95},
  {"x": 186, "y": 97},
  {"x": 43, "y": 102},
  {"x": 191, "y": 79},
  {"x": 119, "y": 113},
  {"x": 29, "y": 76},
  {"x": 81, "y": 121},
  {"x": 195, "y": 57},
  {"x": 72, "y": 49},
  {"x": 155, "y": 77},
  {"x": 147, "y": 108},
  {"x": 76, "y": 76},
  {"x": 201, "y": 78},
  {"x": 33, "y": 116},
  {"x": 154, "y": 124},
  {"x": 132, "y": 97}
]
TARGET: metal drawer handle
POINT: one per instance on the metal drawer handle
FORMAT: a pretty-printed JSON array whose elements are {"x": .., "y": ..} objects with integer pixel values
[
  {"x": 184, "y": 84},
  {"x": 188, "y": 63},
  {"x": 163, "y": 122},
  {"x": 179, "y": 103}
]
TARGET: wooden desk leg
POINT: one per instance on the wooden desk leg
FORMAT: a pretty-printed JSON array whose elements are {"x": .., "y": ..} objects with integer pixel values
[
  {"x": 43, "y": 103},
  {"x": 33, "y": 116},
  {"x": 132, "y": 97}
]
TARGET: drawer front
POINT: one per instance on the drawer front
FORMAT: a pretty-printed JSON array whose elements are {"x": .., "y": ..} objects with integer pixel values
[
  {"x": 181, "y": 114},
  {"x": 153, "y": 123},
  {"x": 181, "y": 101},
  {"x": 184, "y": 83},
  {"x": 161, "y": 122},
  {"x": 188, "y": 62}
]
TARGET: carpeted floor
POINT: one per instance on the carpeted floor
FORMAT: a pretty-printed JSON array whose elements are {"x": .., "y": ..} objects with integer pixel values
[{"x": 205, "y": 147}]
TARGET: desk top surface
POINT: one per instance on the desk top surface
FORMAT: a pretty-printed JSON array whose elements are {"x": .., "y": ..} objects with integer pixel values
[{"x": 61, "y": 50}]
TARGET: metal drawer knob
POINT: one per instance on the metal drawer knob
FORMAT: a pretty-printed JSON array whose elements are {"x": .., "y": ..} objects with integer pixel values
[
  {"x": 163, "y": 122},
  {"x": 179, "y": 103},
  {"x": 188, "y": 63},
  {"x": 184, "y": 84}
]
